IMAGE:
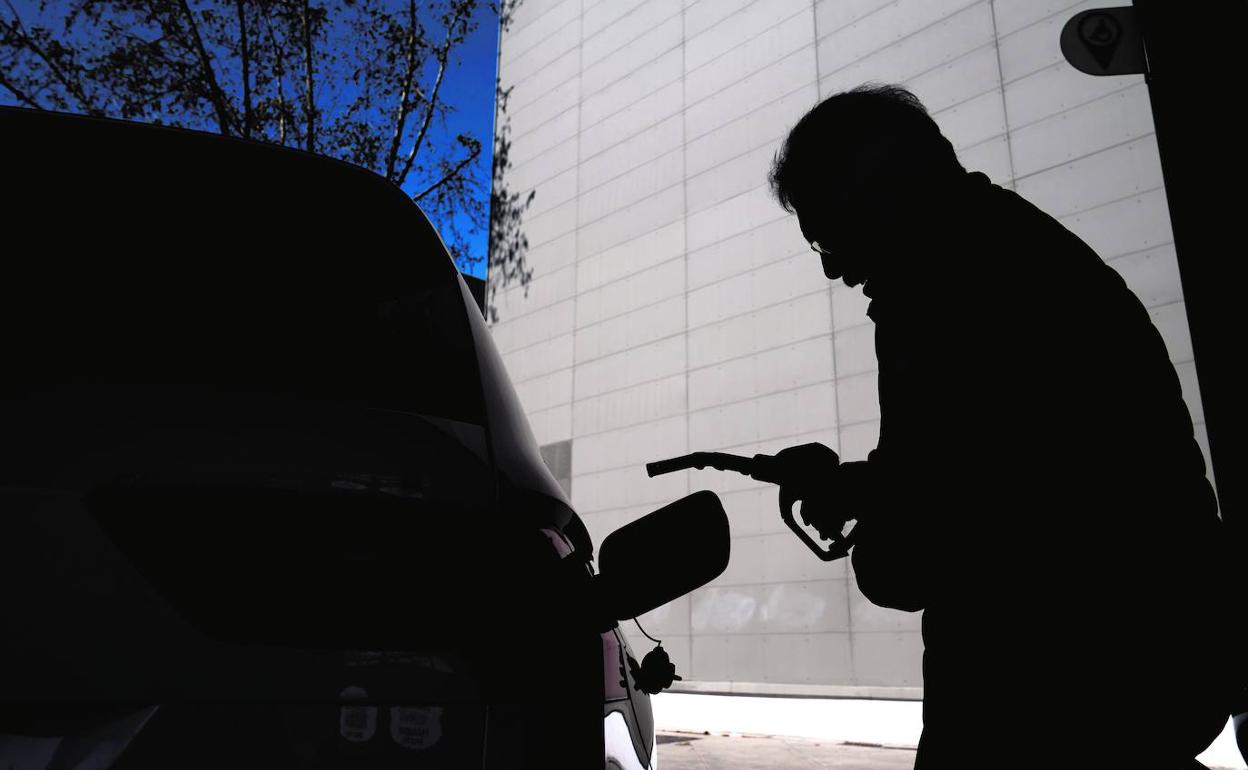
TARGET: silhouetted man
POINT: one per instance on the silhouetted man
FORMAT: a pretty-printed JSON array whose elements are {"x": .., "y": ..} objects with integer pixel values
[{"x": 1037, "y": 489}]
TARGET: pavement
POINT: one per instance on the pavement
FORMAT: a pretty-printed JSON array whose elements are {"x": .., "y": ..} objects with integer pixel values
[
  {"x": 734, "y": 751},
  {"x": 701, "y": 751},
  {"x": 702, "y": 730}
]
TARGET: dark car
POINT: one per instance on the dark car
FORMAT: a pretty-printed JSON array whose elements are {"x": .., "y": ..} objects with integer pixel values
[{"x": 267, "y": 497}]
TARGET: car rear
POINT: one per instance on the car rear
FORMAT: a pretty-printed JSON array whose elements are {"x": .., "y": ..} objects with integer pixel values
[{"x": 248, "y": 477}]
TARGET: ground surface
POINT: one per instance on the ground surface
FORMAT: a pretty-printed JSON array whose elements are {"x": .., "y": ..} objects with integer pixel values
[{"x": 691, "y": 751}]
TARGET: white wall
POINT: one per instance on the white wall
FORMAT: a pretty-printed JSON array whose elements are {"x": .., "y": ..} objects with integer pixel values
[{"x": 675, "y": 307}]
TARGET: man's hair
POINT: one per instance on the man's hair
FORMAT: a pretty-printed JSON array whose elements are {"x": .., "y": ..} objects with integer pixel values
[{"x": 886, "y": 118}]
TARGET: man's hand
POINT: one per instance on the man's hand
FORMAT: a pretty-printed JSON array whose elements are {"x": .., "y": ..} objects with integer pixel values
[
  {"x": 809, "y": 473},
  {"x": 806, "y": 465}
]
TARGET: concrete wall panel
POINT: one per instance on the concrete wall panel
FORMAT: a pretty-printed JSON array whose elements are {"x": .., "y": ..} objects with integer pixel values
[
  {"x": 858, "y": 439},
  {"x": 761, "y": 87},
  {"x": 1112, "y": 174},
  {"x": 645, "y": 181},
  {"x": 736, "y": 215},
  {"x": 772, "y": 326},
  {"x": 543, "y": 358},
  {"x": 704, "y": 14},
  {"x": 1153, "y": 275},
  {"x": 974, "y": 121},
  {"x": 992, "y": 157},
  {"x": 1133, "y": 224},
  {"x": 730, "y": 178},
  {"x": 631, "y": 447},
  {"x": 546, "y": 391},
  {"x": 1115, "y": 119},
  {"x": 524, "y": 37},
  {"x": 781, "y": 281},
  {"x": 526, "y": 91},
  {"x": 646, "y": 251},
  {"x": 833, "y": 15},
  {"x": 538, "y": 326},
  {"x": 624, "y": 487},
  {"x": 536, "y": 58},
  {"x": 858, "y": 397},
  {"x": 744, "y": 44},
  {"x": 1035, "y": 46},
  {"x": 656, "y": 141},
  {"x": 632, "y": 221},
  {"x": 552, "y": 193},
  {"x": 645, "y": 113},
  {"x": 1013, "y": 15},
  {"x": 632, "y": 367},
  {"x": 647, "y": 324},
  {"x": 966, "y": 77},
  {"x": 744, "y": 252},
  {"x": 652, "y": 400},
  {"x": 766, "y": 125},
  {"x": 1056, "y": 89},
  {"x": 599, "y": 16},
  {"x": 533, "y": 11},
  {"x": 538, "y": 113},
  {"x": 639, "y": 37},
  {"x": 638, "y": 290},
  {"x": 551, "y": 425},
  {"x": 623, "y": 93}
]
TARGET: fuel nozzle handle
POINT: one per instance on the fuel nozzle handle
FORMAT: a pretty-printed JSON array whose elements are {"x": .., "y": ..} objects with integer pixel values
[
  {"x": 765, "y": 468},
  {"x": 720, "y": 461}
]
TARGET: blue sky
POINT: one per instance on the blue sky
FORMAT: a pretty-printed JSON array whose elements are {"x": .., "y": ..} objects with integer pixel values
[{"x": 469, "y": 87}]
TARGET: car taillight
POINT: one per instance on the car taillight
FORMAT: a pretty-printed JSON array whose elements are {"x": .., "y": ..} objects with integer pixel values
[
  {"x": 614, "y": 680},
  {"x": 561, "y": 544}
]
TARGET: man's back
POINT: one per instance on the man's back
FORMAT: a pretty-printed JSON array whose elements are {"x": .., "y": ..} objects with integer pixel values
[{"x": 1054, "y": 521}]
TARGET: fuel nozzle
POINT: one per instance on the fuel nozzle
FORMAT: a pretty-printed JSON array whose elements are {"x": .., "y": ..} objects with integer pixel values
[
  {"x": 772, "y": 470},
  {"x": 760, "y": 467}
]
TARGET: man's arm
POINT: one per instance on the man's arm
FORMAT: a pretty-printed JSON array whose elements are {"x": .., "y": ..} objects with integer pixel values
[
  {"x": 892, "y": 556},
  {"x": 893, "y": 552}
]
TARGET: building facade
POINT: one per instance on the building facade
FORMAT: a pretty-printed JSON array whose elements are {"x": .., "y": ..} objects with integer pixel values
[{"x": 675, "y": 307}]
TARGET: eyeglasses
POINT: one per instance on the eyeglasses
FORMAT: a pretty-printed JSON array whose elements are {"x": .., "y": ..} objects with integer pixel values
[{"x": 821, "y": 251}]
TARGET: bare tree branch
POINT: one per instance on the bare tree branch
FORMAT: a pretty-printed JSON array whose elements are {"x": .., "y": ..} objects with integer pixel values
[
  {"x": 245, "y": 54},
  {"x": 392, "y": 155},
  {"x": 453, "y": 173},
  {"x": 18, "y": 29},
  {"x": 433, "y": 99},
  {"x": 215, "y": 95},
  {"x": 353, "y": 79},
  {"x": 280, "y": 77},
  {"x": 21, "y": 97},
  {"x": 309, "y": 103}
]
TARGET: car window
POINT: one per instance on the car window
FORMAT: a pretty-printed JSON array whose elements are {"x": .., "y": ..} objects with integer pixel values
[{"x": 192, "y": 259}]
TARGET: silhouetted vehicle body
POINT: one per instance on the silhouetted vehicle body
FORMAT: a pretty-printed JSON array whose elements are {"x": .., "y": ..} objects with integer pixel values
[{"x": 260, "y": 464}]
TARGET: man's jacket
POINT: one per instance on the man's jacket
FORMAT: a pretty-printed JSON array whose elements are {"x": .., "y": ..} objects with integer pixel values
[{"x": 1039, "y": 493}]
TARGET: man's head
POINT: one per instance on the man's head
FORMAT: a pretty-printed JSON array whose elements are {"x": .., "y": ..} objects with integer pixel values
[{"x": 860, "y": 170}]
